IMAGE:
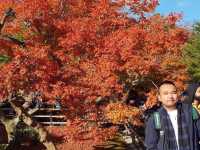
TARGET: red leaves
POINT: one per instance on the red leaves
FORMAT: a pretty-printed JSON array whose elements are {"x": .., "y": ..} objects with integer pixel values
[
  {"x": 81, "y": 49},
  {"x": 140, "y": 7}
]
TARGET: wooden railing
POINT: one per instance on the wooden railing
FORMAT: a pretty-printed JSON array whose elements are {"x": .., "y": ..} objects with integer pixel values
[{"x": 48, "y": 115}]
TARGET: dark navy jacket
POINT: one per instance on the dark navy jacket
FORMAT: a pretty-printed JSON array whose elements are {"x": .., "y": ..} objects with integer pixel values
[
  {"x": 154, "y": 140},
  {"x": 190, "y": 92}
]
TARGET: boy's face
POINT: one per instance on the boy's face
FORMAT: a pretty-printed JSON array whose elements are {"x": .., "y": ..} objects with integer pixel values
[
  {"x": 197, "y": 96},
  {"x": 168, "y": 95}
]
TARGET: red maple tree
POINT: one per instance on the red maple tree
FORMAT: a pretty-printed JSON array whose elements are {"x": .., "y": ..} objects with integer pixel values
[{"x": 81, "y": 50}]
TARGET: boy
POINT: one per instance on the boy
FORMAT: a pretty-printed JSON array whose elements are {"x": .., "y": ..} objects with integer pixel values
[{"x": 178, "y": 129}]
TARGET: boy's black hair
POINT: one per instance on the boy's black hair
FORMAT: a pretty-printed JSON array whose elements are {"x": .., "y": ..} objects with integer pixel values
[{"x": 167, "y": 82}]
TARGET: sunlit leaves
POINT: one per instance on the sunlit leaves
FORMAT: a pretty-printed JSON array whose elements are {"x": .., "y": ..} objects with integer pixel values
[{"x": 121, "y": 113}]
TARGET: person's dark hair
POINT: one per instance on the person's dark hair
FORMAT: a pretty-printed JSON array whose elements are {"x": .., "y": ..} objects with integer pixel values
[{"x": 166, "y": 82}]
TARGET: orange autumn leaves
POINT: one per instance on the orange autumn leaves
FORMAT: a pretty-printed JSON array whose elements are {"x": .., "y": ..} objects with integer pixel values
[
  {"x": 80, "y": 50},
  {"x": 119, "y": 113},
  {"x": 88, "y": 44}
]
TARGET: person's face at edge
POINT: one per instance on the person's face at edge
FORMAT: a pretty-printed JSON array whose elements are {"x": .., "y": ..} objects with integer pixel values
[{"x": 197, "y": 96}]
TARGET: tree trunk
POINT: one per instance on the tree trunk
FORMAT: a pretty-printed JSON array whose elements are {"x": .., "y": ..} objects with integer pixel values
[{"x": 26, "y": 118}]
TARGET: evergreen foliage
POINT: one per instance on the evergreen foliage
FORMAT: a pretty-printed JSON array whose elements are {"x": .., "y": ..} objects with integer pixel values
[{"x": 192, "y": 53}]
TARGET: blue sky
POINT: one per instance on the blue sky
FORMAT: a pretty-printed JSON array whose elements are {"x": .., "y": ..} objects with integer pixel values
[{"x": 189, "y": 8}]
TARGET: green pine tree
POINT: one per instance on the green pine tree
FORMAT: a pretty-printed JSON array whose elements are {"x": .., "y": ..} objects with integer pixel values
[{"x": 192, "y": 53}]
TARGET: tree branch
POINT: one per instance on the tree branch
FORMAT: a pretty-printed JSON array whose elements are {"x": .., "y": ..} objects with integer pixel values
[
  {"x": 12, "y": 39},
  {"x": 26, "y": 118},
  {"x": 8, "y": 13}
]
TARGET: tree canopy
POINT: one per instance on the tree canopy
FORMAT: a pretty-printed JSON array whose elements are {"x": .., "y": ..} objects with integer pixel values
[
  {"x": 82, "y": 50},
  {"x": 192, "y": 53}
]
